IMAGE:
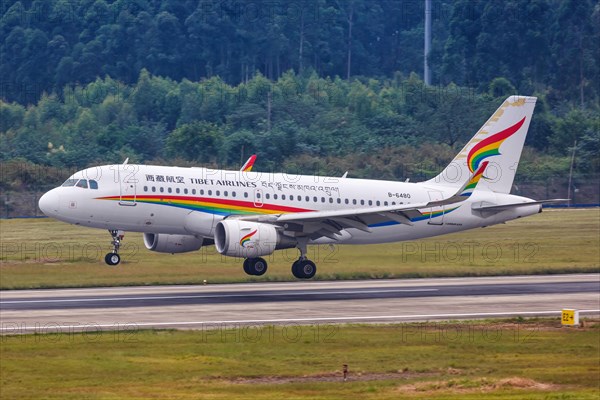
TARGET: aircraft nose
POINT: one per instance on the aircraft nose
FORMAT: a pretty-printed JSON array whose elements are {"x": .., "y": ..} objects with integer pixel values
[{"x": 49, "y": 203}]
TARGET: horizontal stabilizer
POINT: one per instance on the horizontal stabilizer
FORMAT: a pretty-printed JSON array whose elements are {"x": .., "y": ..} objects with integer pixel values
[{"x": 502, "y": 207}]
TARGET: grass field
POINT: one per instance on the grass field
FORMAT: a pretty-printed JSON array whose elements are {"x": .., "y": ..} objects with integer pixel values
[
  {"x": 518, "y": 359},
  {"x": 39, "y": 253}
]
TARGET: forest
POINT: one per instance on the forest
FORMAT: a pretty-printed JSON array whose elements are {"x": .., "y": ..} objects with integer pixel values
[{"x": 315, "y": 86}]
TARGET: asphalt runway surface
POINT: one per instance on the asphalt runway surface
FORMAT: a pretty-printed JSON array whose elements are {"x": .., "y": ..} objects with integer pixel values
[{"x": 301, "y": 302}]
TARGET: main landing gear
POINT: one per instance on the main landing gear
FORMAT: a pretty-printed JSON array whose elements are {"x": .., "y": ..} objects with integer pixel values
[
  {"x": 303, "y": 268},
  {"x": 114, "y": 258},
  {"x": 255, "y": 266}
]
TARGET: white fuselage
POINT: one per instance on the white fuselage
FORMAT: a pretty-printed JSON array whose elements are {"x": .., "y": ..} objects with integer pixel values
[{"x": 158, "y": 199}]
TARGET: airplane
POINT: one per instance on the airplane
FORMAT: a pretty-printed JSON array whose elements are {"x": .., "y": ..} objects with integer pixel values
[{"x": 249, "y": 215}]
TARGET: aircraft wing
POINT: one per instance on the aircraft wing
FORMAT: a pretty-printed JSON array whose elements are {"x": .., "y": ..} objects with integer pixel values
[{"x": 330, "y": 223}]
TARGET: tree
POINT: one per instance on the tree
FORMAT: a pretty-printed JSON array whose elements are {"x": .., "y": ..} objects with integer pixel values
[{"x": 199, "y": 141}]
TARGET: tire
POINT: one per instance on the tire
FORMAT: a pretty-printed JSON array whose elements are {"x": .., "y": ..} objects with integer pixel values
[
  {"x": 258, "y": 266},
  {"x": 247, "y": 266},
  {"x": 112, "y": 259},
  {"x": 304, "y": 269}
]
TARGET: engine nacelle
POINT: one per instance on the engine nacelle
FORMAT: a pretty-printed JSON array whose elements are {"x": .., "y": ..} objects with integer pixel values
[
  {"x": 237, "y": 238},
  {"x": 164, "y": 243}
]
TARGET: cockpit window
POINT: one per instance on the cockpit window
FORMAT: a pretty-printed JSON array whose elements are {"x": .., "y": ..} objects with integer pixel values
[
  {"x": 70, "y": 182},
  {"x": 93, "y": 184},
  {"x": 82, "y": 183}
]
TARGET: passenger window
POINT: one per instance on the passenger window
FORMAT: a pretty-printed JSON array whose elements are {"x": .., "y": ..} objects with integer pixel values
[
  {"x": 232, "y": 194},
  {"x": 322, "y": 199},
  {"x": 354, "y": 201},
  {"x": 370, "y": 202},
  {"x": 225, "y": 193},
  {"x": 218, "y": 193},
  {"x": 185, "y": 191},
  {"x": 210, "y": 192},
  {"x": 307, "y": 198},
  {"x": 145, "y": 188},
  {"x": 283, "y": 197},
  {"x": 245, "y": 194},
  {"x": 82, "y": 183},
  {"x": 153, "y": 189},
  {"x": 331, "y": 200},
  {"x": 193, "y": 191},
  {"x": 385, "y": 203},
  {"x": 162, "y": 189},
  {"x": 346, "y": 201},
  {"x": 275, "y": 196},
  {"x": 169, "y": 190},
  {"x": 315, "y": 199},
  {"x": 201, "y": 191},
  {"x": 268, "y": 196},
  {"x": 177, "y": 190},
  {"x": 93, "y": 184},
  {"x": 339, "y": 201},
  {"x": 362, "y": 202},
  {"x": 379, "y": 203}
]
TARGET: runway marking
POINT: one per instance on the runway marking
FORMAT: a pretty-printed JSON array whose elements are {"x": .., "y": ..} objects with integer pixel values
[
  {"x": 299, "y": 320},
  {"x": 208, "y": 296},
  {"x": 275, "y": 285}
]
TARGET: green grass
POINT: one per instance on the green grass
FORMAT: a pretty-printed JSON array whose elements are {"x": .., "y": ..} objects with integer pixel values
[
  {"x": 46, "y": 253},
  {"x": 533, "y": 359}
]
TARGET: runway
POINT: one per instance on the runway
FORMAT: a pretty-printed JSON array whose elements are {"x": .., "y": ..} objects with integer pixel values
[{"x": 302, "y": 302}]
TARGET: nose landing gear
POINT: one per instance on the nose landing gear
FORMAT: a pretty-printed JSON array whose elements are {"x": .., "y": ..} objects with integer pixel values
[{"x": 114, "y": 258}]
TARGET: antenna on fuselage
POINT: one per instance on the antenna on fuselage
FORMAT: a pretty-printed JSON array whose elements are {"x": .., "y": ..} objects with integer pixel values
[
  {"x": 345, "y": 174},
  {"x": 126, "y": 161}
]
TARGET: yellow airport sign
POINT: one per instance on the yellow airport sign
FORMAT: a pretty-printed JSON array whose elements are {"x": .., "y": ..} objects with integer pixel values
[{"x": 569, "y": 317}]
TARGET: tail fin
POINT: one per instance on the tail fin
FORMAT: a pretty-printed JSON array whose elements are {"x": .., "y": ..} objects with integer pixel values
[{"x": 500, "y": 141}]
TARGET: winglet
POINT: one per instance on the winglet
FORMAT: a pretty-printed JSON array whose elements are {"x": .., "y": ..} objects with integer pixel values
[
  {"x": 247, "y": 167},
  {"x": 465, "y": 191},
  {"x": 469, "y": 187}
]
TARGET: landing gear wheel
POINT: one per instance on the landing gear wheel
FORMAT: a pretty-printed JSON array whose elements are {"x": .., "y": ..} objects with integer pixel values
[
  {"x": 304, "y": 269},
  {"x": 112, "y": 259},
  {"x": 247, "y": 267},
  {"x": 255, "y": 266}
]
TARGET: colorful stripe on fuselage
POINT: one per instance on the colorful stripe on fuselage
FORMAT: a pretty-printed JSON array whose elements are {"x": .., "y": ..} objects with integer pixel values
[
  {"x": 210, "y": 205},
  {"x": 425, "y": 216},
  {"x": 229, "y": 207}
]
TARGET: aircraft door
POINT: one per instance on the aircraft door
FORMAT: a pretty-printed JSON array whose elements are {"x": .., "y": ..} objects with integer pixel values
[
  {"x": 127, "y": 175},
  {"x": 258, "y": 198},
  {"x": 436, "y": 215}
]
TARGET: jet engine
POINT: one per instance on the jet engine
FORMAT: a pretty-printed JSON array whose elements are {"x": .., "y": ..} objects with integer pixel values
[
  {"x": 164, "y": 243},
  {"x": 246, "y": 239}
]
